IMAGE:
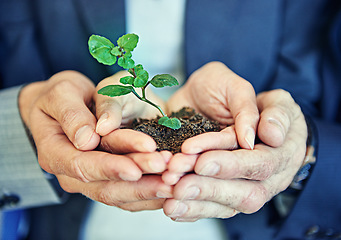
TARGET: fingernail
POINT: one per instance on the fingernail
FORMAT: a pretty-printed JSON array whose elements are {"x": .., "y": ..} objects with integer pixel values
[
  {"x": 250, "y": 138},
  {"x": 83, "y": 136},
  {"x": 210, "y": 169},
  {"x": 100, "y": 128},
  {"x": 191, "y": 193},
  {"x": 179, "y": 210},
  {"x": 277, "y": 124}
]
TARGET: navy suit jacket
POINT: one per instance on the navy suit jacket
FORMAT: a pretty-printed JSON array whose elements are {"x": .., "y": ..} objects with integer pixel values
[{"x": 271, "y": 43}]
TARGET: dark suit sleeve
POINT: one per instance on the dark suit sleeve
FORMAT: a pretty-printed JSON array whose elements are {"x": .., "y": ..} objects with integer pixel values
[{"x": 317, "y": 209}]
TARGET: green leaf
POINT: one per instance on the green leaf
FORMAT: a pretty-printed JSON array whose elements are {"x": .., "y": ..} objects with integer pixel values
[
  {"x": 128, "y": 54},
  {"x": 128, "y": 42},
  {"x": 127, "y": 80},
  {"x": 138, "y": 67},
  {"x": 100, "y": 48},
  {"x": 116, "y": 51},
  {"x": 172, "y": 123},
  {"x": 141, "y": 79},
  {"x": 163, "y": 80},
  {"x": 140, "y": 82},
  {"x": 115, "y": 90},
  {"x": 125, "y": 62}
]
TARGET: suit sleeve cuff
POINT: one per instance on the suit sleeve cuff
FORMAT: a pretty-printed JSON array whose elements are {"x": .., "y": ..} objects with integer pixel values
[{"x": 20, "y": 173}]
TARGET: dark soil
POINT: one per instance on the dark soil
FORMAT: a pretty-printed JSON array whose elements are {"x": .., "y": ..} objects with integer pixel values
[{"x": 192, "y": 124}]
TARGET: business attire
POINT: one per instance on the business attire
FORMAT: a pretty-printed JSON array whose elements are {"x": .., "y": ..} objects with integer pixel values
[{"x": 272, "y": 44}]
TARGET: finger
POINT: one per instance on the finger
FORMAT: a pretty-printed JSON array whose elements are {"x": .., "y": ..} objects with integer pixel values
[
  {"x": 242, "y": 104},
  {"x": 67, "y": 101},
  {"x": 278, "y": 111},
  {"x": 143, "y": 205},
  {"x": 127, "y": 141},
  {"x": 242, "y": 195},
  {"x": 181, "y": 163},
  {"x": 178, "y": 166},
  {"x": 258, "y": 164},
  {"x": 109, "y": 113},
  {"x": 118, "y": 193},
  {"x": 191, "y": 211},
  {"x": 57, "y": 155},
  {"x": 109, "y": 109},
  {"x": 171, "y": 178},
  {"x": 155, "y": 162},
  {"x": 225, "y": 139}
]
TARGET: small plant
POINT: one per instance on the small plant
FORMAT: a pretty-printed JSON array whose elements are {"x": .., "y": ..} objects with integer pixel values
[{"x": 105, "y": 52}]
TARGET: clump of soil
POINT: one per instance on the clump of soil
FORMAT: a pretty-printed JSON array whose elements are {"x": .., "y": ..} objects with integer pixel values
[{"x": 192, "y": 124}]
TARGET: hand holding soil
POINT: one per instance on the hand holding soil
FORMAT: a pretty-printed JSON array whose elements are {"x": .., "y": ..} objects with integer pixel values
[{"x": 215, "y": 173}]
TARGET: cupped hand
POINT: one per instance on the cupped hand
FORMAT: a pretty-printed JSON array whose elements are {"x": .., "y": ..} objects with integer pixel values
[
  {"x": 228, "y": 182},
  {"x": 57, "y": 113},
  {"x": 219, "y": 94}
]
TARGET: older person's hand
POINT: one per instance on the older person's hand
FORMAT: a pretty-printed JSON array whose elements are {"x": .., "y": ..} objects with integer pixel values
[
  {"x": 219, "y": 94},
  {"x": 227, "y": 182},
  {"x": 57, "y": 112}
]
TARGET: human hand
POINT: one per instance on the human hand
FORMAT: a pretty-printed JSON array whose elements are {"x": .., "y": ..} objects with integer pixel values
[
  {"x": 57, "y": 112},
  {"x": 229, "y": 182},
  {"x": 219, "y": 94}
]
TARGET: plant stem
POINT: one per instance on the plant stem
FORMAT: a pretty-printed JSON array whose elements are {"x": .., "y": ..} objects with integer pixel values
[{"x": 144, "y": 99}]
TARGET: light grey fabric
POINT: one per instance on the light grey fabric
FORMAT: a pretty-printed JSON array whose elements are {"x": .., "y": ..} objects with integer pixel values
[
  {"x": 20, "y": 173},
  {"x": 106, "y": 223}
]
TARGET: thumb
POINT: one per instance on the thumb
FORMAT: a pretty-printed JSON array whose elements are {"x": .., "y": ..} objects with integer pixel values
[
  {"x": 67, "y": 101},
  {"x": 278, "y": 111},
  {"x": 108, "y": 109},
  {"x": 244, "y": 110}
]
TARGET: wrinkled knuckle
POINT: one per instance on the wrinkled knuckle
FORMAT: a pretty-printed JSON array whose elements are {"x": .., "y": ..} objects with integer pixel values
[
  {"x": 109, "y": 197},
  {"x": 261, "y": 172},
  {"x": 214, "y": 193},
  {"x": 69, "y": 117},
  {"x": 254, "y": 201},
  {"x": 105, "y": 197},
  {"x": 108, "y": 171},
  {"x": 77, "y": 169},
  {"x": 139, "y": 195}
]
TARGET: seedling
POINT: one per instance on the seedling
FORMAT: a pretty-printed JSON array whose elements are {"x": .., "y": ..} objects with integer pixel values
[{"x": 105, "y": 52}]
